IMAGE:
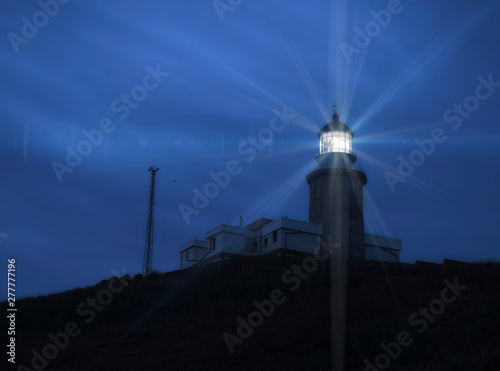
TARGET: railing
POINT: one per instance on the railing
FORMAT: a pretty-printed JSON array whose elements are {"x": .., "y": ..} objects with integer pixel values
[{"x": 355, "y": 165}]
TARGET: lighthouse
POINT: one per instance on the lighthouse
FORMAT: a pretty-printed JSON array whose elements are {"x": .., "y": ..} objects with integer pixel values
[
  {"x": 335, "y": 215},
  {"x": 336, "y": 190}
]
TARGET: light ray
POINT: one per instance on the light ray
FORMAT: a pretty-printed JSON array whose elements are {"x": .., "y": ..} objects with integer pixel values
[
  {"x": 300, "y": 120},
  {"x": 307, "y": 80},
  {"x": 412, "y": 180},
  {"x": 376, "y": 137},
  {"x": 379, "y": 222},
  {"x": 276, "y": 198},
  {"x": 359, "y": 69},
  {"x": 444, "y": 41}
]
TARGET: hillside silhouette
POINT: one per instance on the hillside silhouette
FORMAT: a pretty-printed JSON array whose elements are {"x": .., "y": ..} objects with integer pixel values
[{"x": 177, "y": 320}]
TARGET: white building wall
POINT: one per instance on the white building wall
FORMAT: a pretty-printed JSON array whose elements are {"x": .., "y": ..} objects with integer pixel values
[
  {"x": 232, "y": 243},
  {"x": 292, "y": 235},
  {"x": 303, "y": 242},
  {"x": 192, "y": 252}
]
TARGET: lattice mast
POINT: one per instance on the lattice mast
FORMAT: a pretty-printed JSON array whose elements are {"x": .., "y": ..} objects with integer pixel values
[{"x": 148, "y": 250}]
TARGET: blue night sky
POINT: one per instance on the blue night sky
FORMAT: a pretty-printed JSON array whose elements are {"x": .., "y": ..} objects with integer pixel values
[{"x": 229, "y": 71}]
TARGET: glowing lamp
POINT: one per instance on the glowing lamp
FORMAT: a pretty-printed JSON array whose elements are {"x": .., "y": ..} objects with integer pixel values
[{"x": 335, "y": 138}]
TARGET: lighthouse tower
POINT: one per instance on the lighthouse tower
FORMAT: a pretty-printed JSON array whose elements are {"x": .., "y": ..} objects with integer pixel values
[{"x": 336, "y": 190}]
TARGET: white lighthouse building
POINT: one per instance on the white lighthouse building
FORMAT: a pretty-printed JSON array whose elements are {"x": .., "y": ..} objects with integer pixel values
[{"x": 335, "y": 215}]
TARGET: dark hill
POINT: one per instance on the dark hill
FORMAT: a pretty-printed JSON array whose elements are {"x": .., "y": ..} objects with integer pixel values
[{"x": 177, "y": 320}]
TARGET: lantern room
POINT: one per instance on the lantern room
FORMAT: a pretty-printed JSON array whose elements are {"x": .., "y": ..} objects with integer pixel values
[{"x": 335, "y": 137}]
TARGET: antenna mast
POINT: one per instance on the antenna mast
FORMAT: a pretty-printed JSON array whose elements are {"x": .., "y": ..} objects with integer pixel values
[{"x": 148, "y": 250}]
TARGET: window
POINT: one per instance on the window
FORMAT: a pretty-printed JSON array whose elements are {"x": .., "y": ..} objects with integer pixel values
[
  {"x": 352, "y": 221},
  {"x": 335, "y": 141},
  {"x": 265, "y": 242},
  {"x": 275, "y": 236},
  {"x": 314, "y": 189},
  {"x": 212, "y": 244}
]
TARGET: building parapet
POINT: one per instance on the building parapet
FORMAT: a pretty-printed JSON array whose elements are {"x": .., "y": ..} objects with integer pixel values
[
  {"x": 380, "y": 241},
  {"x": 194, "y": 243}
]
